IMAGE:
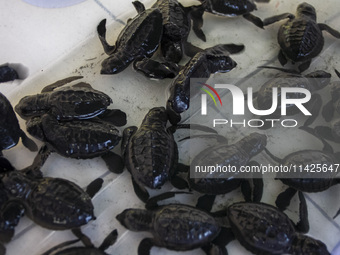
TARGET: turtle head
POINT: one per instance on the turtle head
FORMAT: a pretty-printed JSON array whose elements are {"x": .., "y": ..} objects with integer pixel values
[
  {"x": 303, "y": 244},
  {"x": 307, "y": 10},
  {"x": 136, "y": 219},
  {"x": 34, "y": 127}
]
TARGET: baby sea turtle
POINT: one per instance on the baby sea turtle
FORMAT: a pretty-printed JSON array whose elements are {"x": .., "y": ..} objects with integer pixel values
[
  {"x": 52, "y": 203},
  {"x": 263, "y": 229},
  {"x": 150, "y": 152},
  {"x": 176, "y": 27},
  {"x": 307, "y": 177},
  {"x": 79, "y": 101},
  {"x": 233, "y": 8},
  {"x": 176, "y": 227},
  {"x": 236, "y": 155},
  {"x": 204, "y": 63},
  {"x": 300, "y": 38},
  {"x": 10, "y": 131},
  {"x": 139, "y": 38},
  {"x": 313, "y": 82},
  {"x": 80, "y": 139}
]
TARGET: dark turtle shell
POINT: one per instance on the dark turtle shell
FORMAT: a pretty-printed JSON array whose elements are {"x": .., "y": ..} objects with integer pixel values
[
  {"x": 52, "y": 203},
  {"x": 264, "y": 98},
  {"x": 310, "y": 181},
  {"x": 235, "y": 155},
  {"x": 182, "y": 227},
  {"x": 300, "y": 39},
  {"x": 261, "y": 228},
  {"x": 140, "y": 37},
  {"x": 151, "y": 151},
  {"x": 176, "y": 25},
  {"x": 79, "y": 101},
  {"x": 176, "y": 28},
  {"x": 10, "y": 131},
  {"x": 230, "y": 7},
  {"x": 76, "y": 139}
]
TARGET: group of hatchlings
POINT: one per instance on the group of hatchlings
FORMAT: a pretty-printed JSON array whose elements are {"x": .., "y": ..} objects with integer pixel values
[{"x": 74, "y": 121}]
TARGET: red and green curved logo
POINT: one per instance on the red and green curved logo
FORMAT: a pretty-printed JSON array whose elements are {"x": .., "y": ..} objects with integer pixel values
[{"x": 210, "y": 94}]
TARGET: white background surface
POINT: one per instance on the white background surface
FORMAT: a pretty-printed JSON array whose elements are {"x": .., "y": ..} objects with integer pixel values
[{"x": 59, "y": 42}]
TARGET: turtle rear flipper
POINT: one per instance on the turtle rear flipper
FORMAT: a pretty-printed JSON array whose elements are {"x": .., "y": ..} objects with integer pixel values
[
  {"x": 140, "y": 191},
  {"x": 284, "y": 198},
  {"x": 109, "y": 240}
]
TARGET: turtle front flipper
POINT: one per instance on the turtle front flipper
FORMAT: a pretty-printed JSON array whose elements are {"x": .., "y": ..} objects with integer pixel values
[
  {"x": 39, "y": 160},
  {"x": 114, "y": 162},
  {"x": 93, "y": 188},
  {"x": 330, "y": 30},
  {"x": 140, "y": 191},
  {"x": 109, "y": 240},
  {"x": 206, "y": 202},
  {"x": 284, "y": 198},
  {"x": 138, "y": 6},
  {"x": 59, "y": 83},
  {"x": 145, "y": 246},
  {"x": 5, "y": 165},
  {"x": 303, "y": 224},
  {"x": 114, "y": 116},
  {"x": 254, "y": 19},
  {"x": 276, "y": 18},
  {"x": 11, "y": 213},
  {"x": 101, "y": 30},
  {"x": 304, "y": 66}
]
